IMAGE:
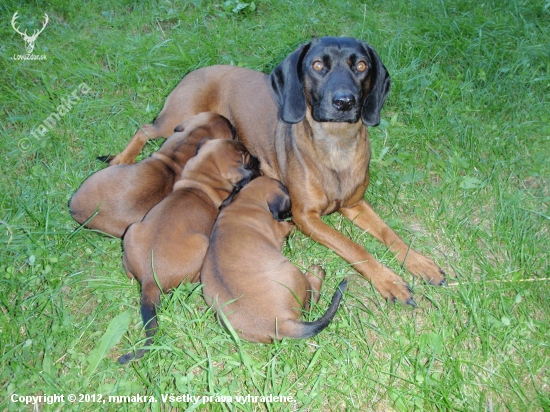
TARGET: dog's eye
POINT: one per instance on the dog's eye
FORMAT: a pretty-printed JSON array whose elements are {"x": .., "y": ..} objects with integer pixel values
[
  {"x": 317, "y": 65},
  {"x": 361, "y": 66}
]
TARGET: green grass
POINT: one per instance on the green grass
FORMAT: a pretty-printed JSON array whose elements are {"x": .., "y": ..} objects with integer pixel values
[{"x": 460, "y": 169}]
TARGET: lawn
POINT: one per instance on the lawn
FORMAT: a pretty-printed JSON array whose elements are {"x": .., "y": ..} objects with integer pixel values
[{"x": 460, "y": 170}]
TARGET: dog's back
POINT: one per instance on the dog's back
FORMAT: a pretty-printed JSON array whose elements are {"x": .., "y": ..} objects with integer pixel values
[
  {"x": 175, "y": 230},
  {"x": 121, "y": 195}
]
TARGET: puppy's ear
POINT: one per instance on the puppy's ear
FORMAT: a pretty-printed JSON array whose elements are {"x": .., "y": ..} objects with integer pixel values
[
  {"x": 253, "y": 165},
  {"x": 233, "y": 130},
  {"x": 229, "y": 199},
  {"x": 379, "y": 80},
  {"x": 220, "y": 126},
  {"x": 201, "y": 144},
  {"x": 247, "y": 176},
  {"x": 286, "y": 80},
  {"x": 279, "y": 203}
]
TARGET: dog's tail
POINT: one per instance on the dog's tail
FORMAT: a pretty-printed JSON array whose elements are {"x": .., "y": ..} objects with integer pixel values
[
  {"x": 308, "y": 329},
  {"x": 150, "y": 299}
]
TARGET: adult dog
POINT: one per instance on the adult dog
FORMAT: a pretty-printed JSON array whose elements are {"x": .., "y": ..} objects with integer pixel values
[{"x": 306, "y": 123}]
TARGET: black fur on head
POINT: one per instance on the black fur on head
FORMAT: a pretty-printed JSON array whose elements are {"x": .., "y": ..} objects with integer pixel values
[
  {"x": 279, "y": 203},
  {"x": 287, "y": 79}
]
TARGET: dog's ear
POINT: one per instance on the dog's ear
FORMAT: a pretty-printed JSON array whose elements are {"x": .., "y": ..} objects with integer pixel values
[
  {"x": 379, "y": 80},
  {"x": 220, "y": 125},
  {"x": 233, "y": 130},
  {"x": 229, "y": 199},
  {"x": 253, "y": 164},
  {"x": 201, "y": 144},
  {"x": 248, "y": 175},
  {"x": 279, "y": 203},
  {"x": 286, "y": 80}
]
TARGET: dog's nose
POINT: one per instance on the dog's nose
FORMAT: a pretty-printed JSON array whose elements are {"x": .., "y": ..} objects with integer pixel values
[{"x": 343, "y": 101}]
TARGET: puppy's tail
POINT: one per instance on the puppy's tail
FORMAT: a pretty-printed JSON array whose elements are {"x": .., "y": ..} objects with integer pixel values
[
  {"x": 308, "y": 329},
  {"x": 150, "y": 299}
]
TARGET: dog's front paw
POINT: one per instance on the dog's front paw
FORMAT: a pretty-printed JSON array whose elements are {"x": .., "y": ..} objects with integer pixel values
[
  {"x": 392, "y": 287},
  {"x": 425, "y": 268}
]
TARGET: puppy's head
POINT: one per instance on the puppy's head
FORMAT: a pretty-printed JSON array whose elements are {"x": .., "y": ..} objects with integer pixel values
[
  {"x": 231, "y": 160},
  {"x": 269, "y": 194},
  {"x": 339, "y": 79},
  {"x": 278, "y": 201}
]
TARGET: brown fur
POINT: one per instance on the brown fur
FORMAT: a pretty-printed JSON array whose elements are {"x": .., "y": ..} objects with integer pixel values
[
  {"x": 321, "y": 154},
  {"x": 124, "y": 192},
  {"x": 168, "y": 246},
  {"x": 246, "y": 277}
]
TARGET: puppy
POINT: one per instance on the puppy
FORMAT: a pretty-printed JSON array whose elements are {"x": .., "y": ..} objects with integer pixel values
[
  {"x": 245, "y": 275},
  {"x": 122, "y": 194},
  {"x": 169, "y": 245}
]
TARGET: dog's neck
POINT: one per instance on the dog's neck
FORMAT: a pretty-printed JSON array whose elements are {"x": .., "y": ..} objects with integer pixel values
[
  {"x": 168, "y": 161},
  {"x": 337, "y": 144},
  {"x": 208, "y": 187}
]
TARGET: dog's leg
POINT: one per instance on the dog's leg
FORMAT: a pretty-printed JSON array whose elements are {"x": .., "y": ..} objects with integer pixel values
[
  {"x": 365, "y": 217},
  {"x": 386, "y": 282},
  {"x": 136, "y": 144},
  {"x": 315, "y": 276}
]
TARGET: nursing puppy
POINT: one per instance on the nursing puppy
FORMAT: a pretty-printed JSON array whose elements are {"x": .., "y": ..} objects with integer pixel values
[
  {"x": 123, "y": 193},
  {"x": 168, "y": 246},
  {"x": 245, "y": 275}
]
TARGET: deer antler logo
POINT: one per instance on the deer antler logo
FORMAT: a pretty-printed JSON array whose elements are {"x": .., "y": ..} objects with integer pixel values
[{"x": 29, "y": 39}]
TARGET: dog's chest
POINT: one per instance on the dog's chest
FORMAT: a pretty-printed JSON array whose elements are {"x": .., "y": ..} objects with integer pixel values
[
  {"x": 338, "y": 188},
  {"x": 324, "y": 166},
  {"x": 338, "y": 146},
  {"x": 342, "y": 168},
  {"x": 331, "y": 186},
  {"x": 336, "y": 157}
]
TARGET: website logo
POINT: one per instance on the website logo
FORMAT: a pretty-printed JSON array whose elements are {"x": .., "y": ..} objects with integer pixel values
[{"x": 29, "y": 39}]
